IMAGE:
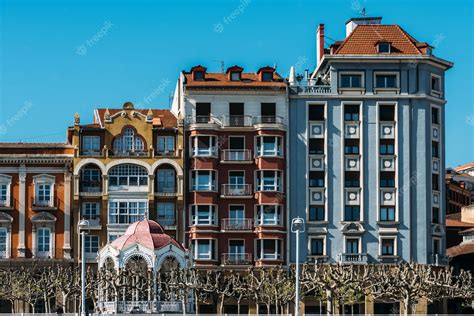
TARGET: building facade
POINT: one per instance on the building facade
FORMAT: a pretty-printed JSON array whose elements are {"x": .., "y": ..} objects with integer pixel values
[
  {"x": 366, "y": 137},
  {"x": 128, "y": 166},
  {"x": 235, "y": 141},
  {"x": 459, "y": 188}
]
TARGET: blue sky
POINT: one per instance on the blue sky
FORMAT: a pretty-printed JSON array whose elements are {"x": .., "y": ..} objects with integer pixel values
[{"x": 62, "y": 57}]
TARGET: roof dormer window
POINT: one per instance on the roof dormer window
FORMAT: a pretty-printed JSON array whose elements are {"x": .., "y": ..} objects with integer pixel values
[
  {"x": 265, "y": 73},
  {"x": 235, "y": 76},
  {"x": 234, "y": 73},
  {"x": 384, "y": 48},
  {"x": 267, "y": 76},
  {"x": 198, "y": 73}
]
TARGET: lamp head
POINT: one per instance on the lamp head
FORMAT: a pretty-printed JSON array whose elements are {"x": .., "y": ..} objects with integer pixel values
[{"x": 297, "y": 225}]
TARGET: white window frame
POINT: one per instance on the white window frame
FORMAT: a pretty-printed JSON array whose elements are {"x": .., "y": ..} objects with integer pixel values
[
  {"x": 88, "y": 206},
  {"x": 210, "y": 151},
  {"x": 259, "y": 220},
  {"x": 436, "y": 93},
  {"x": 210, "y": 255},
  {"x": 235, "y": 253},
  {"x": 165, "y": 149},
  {"x": 310, "y": 240},
  {"x": 382, "y": 73},
  {"x": 140, "y": 173},
  {"x": 88, "y": 143},
  {"x": 277, "y": 181},
  {"x": 211, "y": 186},
  {"x": 277, "y": 150},
  {"x": 164, "y": 219},
  {"x": 359, "y": 246},
  {"x": 128, "y": 141},
  {"x": 212, "y": 212},
  {"x": 4, "y": 254},
  {"x": 43, "y": 253},
  {"x": 276, "y": 255},
  {"x": 394, "y": 238},
  {"x": 39, "y": 182},
  {"x": 351, "y": 73},
  {"x": 88, "y": 248},
  {"x": 6, "y": 181},
  {"x": 385, "y": 43},
  {"x": 139, "y": 215}
]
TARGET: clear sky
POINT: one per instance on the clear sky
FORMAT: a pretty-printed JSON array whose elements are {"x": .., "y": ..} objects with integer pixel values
[{"x": 62, "y": 57}]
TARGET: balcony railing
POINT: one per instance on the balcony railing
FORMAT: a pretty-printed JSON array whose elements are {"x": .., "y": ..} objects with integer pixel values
[
  {"x": 237, "y": 121},
  {"x": 354, "y": 258},
  {"x": 94, "y": 221},
  {"x": 204, "y": 152},
  {"x": 40, "y": 204},
  {"x": 236, "y": 190},
  {"x": 91, "y": 152},
  {"x": 236, "y": 224},
  {"x": 268, "y": 119},
  {"x": 165, "y": 153},
  {"x": 316, "y": 89},
  {"x": 202, "y": 119},
  {"x": 126, "y": 153},
  {"x": 236, "y": 155},
  {"x": 4, "y": 203},
  {"x": 165, "y": 190},
  {"x": 236, "y": 258},
  {"x": 90, "y": 188}
]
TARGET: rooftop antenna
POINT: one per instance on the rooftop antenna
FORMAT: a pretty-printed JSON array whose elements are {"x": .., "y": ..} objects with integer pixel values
[
  {"x": 363, "y": 12},
  {"x": 275, "y": 66},
  {"x": 222, "y": 64}
]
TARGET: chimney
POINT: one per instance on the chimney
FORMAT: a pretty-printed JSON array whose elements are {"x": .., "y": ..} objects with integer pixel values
[
  {"x": 351, "y": 24},
  {"x": 319, "y": 44}
]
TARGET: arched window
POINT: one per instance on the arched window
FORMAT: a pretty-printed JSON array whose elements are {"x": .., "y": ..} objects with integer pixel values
[
  {"x": 128, "y": 177},
  {"x": 128, "y": 142}
]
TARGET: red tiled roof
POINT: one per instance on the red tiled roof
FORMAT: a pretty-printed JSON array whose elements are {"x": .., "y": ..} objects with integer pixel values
[
  {"x": 364, "y": 38},
  {"x": 465, "y": 166},
  {"x": 248, "y": 80},
  {"x": 147, "y": 233},
  {"x": 461, "y": 249},
  {"x": 35, "y": 145},
  {"x": 162, "y": 118},
  {"x": 454, "y": 220}
]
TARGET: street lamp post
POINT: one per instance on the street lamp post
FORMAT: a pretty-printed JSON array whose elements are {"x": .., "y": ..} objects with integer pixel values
[
  {"x": 83, "y": 225},
  {"x": 297, "y": 227}
]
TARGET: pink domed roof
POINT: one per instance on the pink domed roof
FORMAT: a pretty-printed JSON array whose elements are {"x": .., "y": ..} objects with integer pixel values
[{"x": 147, "y": 233}]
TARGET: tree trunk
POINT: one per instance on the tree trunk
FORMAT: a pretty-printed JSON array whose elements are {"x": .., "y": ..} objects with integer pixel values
[
  {"x": 221, "y": 304},
  {"x": 238, "y": 305}
]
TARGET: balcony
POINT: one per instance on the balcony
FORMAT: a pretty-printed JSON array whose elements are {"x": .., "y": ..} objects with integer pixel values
[
  {"x": 205, "y": 121},
  {"x": 236, "y": 190},
  {"x": 91, "y": 152},
  {"x": 237, "y": 121},
  {"x": 269, "y": 119},
  {"x": 94, "y": 222},
  {"x": 236, "y": 156},
  {"x": 38, "y": 205},
  {"x": 165, "y": 153},
  {"x": 165, "y": 191},
  {"x": 5, "y": 203},
  {"x": 90, "y": 188},
  {"x": 236, "y": 224},
  {"x": 354, "y": 258},
  {"x": 126, "y": 153},
  {"x": 236, "y": 258}
]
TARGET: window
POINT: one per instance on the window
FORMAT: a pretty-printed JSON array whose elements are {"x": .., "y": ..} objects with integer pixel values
[
  {"x": 316, "y": 146},
  {"x": 435, "y": 115},
  {"x": 351, "y": 112},
  {"x": 90, "y": 210},
  {"x": 387, "y": 112},
  {"x": 434, "y": 150},
  {"x": 387, "y": 214},
  {"x": 3, "y": 242},
  {"x": 235, "y": 76},
  {"x": 436, "y": 246},
  {"x": 203, "y": 214},
  {"x": 166, "y": 181},
  {"x": 198, "y": 75},
  {"x": 43, "y": 195},
  {"x": 269, "y": 180},
  {"x": 352, "y": 245},
  {"x": 267, "y": 76},
  {"x": 90, "y": 145},
  {"x": 388, "y": 246},
  {"x": 351, "y": 213},
  {"x": 388, "y": 81},
  {"x": 269, "y": 249},
  {"x": 236, "y": 247},
  {"x": 351, "y": 183},
  {"x": 128, "y": 142},
  {"x": 91, "y": 244},
  {"x": 435, "y": 215},
  {"x": 127, "y": 212},
  {"x": 166, "y": 145},
  {"x": 268, "y": 112},
  {"x": 204, "y": 146},
  {"x": 384, "y": 48},
  {"x": 316, "y": 112},
  {"x": 268, "y": 214},
  {"x": 350, "y": 81},
  {"x": 269, "y": 146},
  {"x": 435, "y": 85},
  {"x": 166, "y": 213},
  {"x": 435, "y": 182},
  {"x": 5, "y": 190},
  {"x": 112, "y": 236},
  {"x": 317, "y": 247},
  {"x": 203, "y": 112},
  {"x": 128, "y": 177},
  {"x": 91, "y": 179},
  {"x": 387, "y": 183},
  {"x": 387, "y": 149},
  {"x": 316, "y": 213},
  {"x": 203, "y": 180},
  {"x": 236, "y": 218},
  {"x": 351, "y": 149},
  {"x": 43, "y": 236},
  {"x": 203, "y": 249},
  {"x": 316, "y": 179}
]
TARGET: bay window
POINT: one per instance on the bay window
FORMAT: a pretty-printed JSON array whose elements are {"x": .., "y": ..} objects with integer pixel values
[
  {"x": 203, "y": 249},
  {"x": 203, "y": 214},
  {"x": 204, "y": 146},
  {"x": 166, "y": 213},
  {"x": 128, "y": 177},
  {"x": 269, "y": 146},
  {"x": 269, "y": 180},
  {"x": 269, "y": 249},
  {"x": 203, "y": 180},
  {"x": 127, "y": 211},
  {"x": 268, "y": 214}
]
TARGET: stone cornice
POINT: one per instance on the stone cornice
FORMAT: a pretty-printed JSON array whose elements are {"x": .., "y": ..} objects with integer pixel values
[{"x": 36, "y": 159}]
